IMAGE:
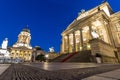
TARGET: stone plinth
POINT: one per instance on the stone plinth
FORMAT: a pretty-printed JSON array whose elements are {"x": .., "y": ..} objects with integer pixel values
[{"x": 105, "y": 50}]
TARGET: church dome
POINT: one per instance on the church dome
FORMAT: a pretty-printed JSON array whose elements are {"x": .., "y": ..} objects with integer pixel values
[{"x": 26, "y": 29}]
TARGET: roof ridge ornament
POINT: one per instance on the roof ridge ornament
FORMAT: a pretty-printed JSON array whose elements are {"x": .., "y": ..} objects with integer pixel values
[{"x": 82, "y": 11}]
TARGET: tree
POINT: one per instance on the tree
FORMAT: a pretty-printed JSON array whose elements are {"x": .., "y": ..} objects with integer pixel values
[{"x": 40, "y": 58}]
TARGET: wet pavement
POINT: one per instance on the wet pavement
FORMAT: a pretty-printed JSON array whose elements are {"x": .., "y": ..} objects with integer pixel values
[
  {"x": 62, "y": 71},
  {"x": 59, "y": 66}
]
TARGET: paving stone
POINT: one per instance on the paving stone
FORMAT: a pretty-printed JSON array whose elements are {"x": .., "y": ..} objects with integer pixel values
[
  {"x": 98, "y": 78},
  {"x": 23, "y": 72},
  {"x": 3, "y": 67},
  {"x": 111, "y": 74}
]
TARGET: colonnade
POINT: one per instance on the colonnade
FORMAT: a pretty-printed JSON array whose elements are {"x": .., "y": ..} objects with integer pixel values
[
  {"x": 76, "y": 45},
  {"x": 95, "y": 29}
]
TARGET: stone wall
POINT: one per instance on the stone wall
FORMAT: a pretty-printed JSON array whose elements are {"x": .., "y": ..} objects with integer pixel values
[
  {"x": 52, "y": 55},
  {"x": 105, "y": 50}
]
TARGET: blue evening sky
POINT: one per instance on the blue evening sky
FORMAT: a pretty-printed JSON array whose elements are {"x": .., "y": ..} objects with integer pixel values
[{"x": 46, "y": 19}]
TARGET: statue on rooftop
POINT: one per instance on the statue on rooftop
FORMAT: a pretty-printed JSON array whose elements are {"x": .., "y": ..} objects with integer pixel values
[
  {"x": 51, "y": 49},
  {"x": 5, "y": 43}
]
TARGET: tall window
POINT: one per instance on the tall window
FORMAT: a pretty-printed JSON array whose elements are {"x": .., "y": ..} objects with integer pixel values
[{"x": 118, "y": 27}]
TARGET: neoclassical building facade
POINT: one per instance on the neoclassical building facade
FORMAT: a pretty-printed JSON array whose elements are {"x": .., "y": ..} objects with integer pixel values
[
  {"x": 97, "y": 30},
  {"x": 22, "y": 48}
]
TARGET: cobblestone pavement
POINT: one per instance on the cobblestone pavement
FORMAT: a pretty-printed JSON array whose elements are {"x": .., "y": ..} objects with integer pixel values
[{"x": 24, "y": 72}]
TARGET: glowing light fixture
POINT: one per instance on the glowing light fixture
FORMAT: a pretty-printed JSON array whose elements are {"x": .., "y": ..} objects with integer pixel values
[
  {"x": 80, "y": 48},
  {"x": 46, "y": 55},
  {"x": 88, "y": 46}
]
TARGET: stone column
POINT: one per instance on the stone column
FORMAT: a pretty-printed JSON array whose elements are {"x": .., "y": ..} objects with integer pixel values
[
  {"x": 63, "y": 44},
  {"x": 90, "y": 31},
  {"x": 74, "y": 42},
  {"x": 81, "y": 39},
  {"x": 68, "y": 43}
]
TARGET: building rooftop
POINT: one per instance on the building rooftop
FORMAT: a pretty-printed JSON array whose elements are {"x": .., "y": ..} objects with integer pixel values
[{"x": 26, "y": 29}]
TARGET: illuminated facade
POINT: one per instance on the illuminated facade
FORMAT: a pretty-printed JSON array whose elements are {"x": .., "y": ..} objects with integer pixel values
[
  {"x": 22, "y": 48},
  {"x": 97, "y": 30}
]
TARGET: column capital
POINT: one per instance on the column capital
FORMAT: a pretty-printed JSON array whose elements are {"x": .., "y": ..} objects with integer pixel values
[
  {"x": 90, "y": 23},
  {"x": 80, "y": 29},
  {"x": 73, "y": 32},
  {"x": 67, "y": 34}
]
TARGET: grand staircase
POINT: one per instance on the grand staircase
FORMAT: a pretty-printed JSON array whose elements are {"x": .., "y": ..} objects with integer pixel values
[
  {"x": 59, "y": 58},
  {"x": 68, "y": 57},
  {"x": 82, "y": 56}
]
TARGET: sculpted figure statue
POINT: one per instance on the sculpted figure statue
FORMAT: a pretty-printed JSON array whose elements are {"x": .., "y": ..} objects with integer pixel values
[
  {"x": 94, "y": 34},
  {"x": 51, "y": 49},
  {"x": 5, "y": 43}
]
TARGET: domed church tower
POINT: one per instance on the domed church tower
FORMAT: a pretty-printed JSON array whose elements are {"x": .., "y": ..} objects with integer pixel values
[
  {"x": 24, "y": 39},
  {"x": 22, "y": 50}
]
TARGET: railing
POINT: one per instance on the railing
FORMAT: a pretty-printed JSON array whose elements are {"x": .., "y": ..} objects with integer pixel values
[{"x": 68, "y": 57}]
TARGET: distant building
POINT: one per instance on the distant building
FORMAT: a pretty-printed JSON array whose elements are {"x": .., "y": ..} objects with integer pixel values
[
  {"x": 22, "y": 49},
  {"x": 96, "y": 30}
]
